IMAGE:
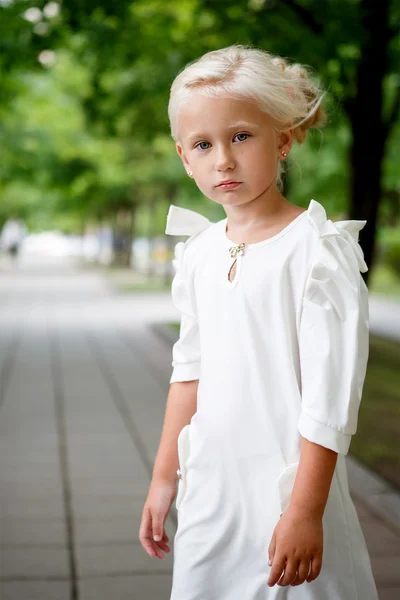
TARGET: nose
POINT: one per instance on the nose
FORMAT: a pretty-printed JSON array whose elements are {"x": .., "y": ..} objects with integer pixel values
[{"x": 224, "y": 158}]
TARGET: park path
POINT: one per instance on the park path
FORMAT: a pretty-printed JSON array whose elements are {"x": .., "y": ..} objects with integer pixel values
[{"x": 83, "y": 382}]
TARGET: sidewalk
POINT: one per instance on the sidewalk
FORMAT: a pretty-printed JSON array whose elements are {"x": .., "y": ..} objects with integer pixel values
[{"x": 83, "y": 381}]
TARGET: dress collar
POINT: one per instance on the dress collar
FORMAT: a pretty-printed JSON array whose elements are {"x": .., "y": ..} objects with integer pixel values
[{"x": 183, "y": 221}]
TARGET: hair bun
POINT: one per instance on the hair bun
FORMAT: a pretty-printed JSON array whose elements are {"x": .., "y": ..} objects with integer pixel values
[
  {"x": 310, "y": 91},
  {"x": 280, "y": 62}
]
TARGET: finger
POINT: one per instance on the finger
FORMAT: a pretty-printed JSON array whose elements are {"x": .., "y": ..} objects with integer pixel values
[
  {"x": 159, "y": 552},
  {"x": 277, "y": 568},
  {"x": 159, "y": 536},
  {"x": 303, "y": 569},
  {"x": 145, "y": 533},
  {"x": 316, "y": 565},
  {"x": 163, "y": 546},
  {"x": 158, "y": 528},
  {"x": 271, "y": 549},
  {"x": 146, "y": 536},
  {"x": 156, "y": 550},
  {"x": 290, "y": 572},
  {"x": 148, "y": 545},
  {"x": 145, "y": 523},
  {"x": 163, "y": 543}
]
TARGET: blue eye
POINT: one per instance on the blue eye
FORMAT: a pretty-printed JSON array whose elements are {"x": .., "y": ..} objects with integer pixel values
[
  {"x": 245, "y": 134},
  {"x": 199, "y": 145}
]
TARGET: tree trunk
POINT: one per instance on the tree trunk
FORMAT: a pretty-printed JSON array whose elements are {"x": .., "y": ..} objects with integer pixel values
[
  {"x": 369, "y": 132},
  {"x": 150, "y": 236},
  {"x": 122, "y": 237},
  {"x": 133, "y": 232}
]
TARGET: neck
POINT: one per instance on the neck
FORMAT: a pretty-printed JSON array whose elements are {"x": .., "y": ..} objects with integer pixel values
[{"x": 257, "y": 213}]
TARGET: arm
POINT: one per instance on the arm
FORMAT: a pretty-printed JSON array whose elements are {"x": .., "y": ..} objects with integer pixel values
[
  {"x": 313, "y": 480},
  {"x": 181, "y": 406},
  {"x": 182, "y": 397},
  {"x": 333, "y": 352},
  {"x": 301, "y": 523}
]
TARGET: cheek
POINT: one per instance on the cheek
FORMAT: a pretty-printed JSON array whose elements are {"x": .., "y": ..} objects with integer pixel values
[
  {"x": 201, "y": 167},
  {"x": 257, "y": 152},
  {"x": 265, "y": 160},
  {"x": 204, "y": 185},
  {"x": 201, "y": 176}
]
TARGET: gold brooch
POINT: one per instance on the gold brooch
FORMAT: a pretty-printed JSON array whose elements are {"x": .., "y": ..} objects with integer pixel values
[{"x": 235, "y": 250}]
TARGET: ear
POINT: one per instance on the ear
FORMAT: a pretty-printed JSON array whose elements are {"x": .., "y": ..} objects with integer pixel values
[
  {"x": 285, "y": 140},
  {"x": 182, "y": 156}
]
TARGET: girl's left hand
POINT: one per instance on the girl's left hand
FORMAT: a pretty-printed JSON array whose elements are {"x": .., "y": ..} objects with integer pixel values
[{"x": 296, "y": 548}]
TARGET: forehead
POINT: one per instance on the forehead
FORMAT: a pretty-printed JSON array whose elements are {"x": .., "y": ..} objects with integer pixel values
[{"x": 202, "y": 112}]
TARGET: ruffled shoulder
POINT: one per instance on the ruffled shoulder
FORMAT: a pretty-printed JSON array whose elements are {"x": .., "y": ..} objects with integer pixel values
[
  {"x": 346, "y": 230},
  {"x": 334, "y": 281},
  {"x": 183, "y": 221}
]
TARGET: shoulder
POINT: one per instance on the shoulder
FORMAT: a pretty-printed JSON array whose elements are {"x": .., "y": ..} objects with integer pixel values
[
  {"x": 335, "y": 261},
  {"x": 336, "y": 238}
]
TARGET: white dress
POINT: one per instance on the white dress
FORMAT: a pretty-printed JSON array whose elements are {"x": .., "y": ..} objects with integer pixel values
[{"x": 280, "y": 352}]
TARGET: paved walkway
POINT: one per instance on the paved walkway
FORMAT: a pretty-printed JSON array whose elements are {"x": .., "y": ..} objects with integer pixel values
[{"x": 83, "y": 384}]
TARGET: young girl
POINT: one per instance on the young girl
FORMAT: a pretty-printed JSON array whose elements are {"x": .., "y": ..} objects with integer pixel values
[{"x": 269, "y": 368}]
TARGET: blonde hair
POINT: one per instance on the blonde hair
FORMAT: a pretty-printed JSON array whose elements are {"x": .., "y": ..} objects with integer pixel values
[{"x": 282, "y": 90}]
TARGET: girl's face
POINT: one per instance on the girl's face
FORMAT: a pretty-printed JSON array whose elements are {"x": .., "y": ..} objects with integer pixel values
[{"x": 223, "y": 139}]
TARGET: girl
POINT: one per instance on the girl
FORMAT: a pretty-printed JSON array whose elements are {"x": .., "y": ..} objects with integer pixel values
[{"x": 270, "y": 364}]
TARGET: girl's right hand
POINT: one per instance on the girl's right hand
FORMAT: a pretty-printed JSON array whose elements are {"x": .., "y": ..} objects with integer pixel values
[{"x": 155, "y": 511}]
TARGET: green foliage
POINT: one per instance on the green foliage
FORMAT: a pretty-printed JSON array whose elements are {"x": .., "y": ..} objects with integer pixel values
[
  {"x": 84, "y": 129},
  {"x": 391, "y": 249},
  {"x": 376, "y": 441}
]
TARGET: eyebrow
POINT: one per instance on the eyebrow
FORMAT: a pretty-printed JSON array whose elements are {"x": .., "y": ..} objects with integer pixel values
[
  {"x": 243, "y": 124},
  {"x": 234, "y": 125}
]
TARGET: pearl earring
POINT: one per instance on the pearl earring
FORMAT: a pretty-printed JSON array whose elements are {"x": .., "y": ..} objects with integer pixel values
[
  {"x": 190, "y": 173},
  {"x": 284, "y": 153}
]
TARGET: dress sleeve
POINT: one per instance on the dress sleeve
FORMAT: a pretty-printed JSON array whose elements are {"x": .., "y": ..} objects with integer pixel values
[
  {"x": 334, "y": 338},
  {"x": 186, "y": 351}
]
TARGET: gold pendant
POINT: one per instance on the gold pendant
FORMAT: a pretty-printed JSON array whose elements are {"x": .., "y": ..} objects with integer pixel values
[{"x": 239, "y": 249}]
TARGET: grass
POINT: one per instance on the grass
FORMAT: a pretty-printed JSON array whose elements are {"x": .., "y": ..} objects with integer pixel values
[
  {"x": 384, "y": 281},
  {"x": 376, "y": 442}
]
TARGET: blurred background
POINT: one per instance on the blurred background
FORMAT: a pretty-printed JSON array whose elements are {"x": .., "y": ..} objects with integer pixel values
[{"x": 87, "y": 173}]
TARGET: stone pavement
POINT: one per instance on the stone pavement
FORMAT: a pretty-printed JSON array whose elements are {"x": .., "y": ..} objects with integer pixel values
[{"x": 83, "y": 383}]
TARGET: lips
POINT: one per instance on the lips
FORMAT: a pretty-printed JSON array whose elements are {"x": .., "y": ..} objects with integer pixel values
[{"x": 229, "y": 184}]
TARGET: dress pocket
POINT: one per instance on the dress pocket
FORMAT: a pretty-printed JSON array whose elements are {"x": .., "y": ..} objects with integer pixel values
[{"x": 183, "y": 453}]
